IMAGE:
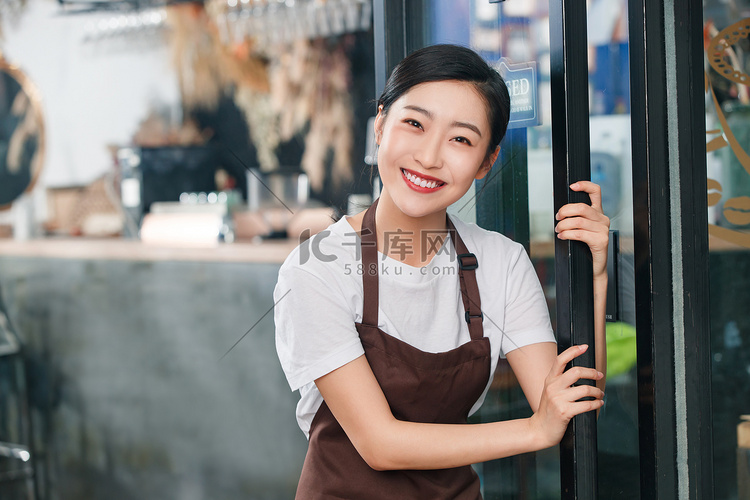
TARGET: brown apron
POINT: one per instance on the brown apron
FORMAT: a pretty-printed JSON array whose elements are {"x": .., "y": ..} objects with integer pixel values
[{"x": 419, "y": 386}]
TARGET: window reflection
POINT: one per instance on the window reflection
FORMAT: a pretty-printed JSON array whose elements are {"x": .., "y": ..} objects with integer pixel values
[{"x": 726, "y": 31}]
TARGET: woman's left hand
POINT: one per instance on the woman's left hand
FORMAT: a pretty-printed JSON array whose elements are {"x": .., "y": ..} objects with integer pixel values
[{"x": 586, "y": 223}]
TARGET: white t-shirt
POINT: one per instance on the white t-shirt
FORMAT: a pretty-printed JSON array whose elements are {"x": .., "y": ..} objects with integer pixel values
[{"x": 319, "y": 299}]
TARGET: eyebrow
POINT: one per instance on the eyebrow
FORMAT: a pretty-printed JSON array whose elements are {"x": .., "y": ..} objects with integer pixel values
[{"x": 429, "y": 115}]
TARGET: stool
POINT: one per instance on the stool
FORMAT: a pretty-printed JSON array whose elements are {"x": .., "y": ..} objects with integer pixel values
[{"x": 16, "y": 466}]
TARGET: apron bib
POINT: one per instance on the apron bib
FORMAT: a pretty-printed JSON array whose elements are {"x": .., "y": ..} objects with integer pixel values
[{"x": 419, "y": 386}]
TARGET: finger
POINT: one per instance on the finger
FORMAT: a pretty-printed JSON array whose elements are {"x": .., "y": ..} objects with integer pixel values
[
  {"x": 578, "y": 373},
  {"x": 577, "y": 393},
  {"x": 593, "y": 190},
  {"x": 580, "y": 407},
  {"x": 580, "y": 210},
  {"x": 569, "y": 409},
  {"x": 567, "y": 356},
  {"x": 595, "y": 238},
  {"x": 581, "y": 223},
  {"x": 600, "y": 227},
  {"x": 596, "y": 241}
]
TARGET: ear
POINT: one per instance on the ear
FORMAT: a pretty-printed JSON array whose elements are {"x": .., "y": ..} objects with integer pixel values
[
  {"x": 378, "y": 127},
  {"x": 487, "y": 164}
]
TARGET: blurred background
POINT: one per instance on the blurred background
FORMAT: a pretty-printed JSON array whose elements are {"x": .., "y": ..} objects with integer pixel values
[{"x": 160, "y": 159}]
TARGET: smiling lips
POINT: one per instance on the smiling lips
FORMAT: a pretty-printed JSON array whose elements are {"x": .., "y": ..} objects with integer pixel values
[{"x": 421, "y": 184}]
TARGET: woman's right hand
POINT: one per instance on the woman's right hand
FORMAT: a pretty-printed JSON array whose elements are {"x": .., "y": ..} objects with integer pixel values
[{"x": 561, "y": 400}]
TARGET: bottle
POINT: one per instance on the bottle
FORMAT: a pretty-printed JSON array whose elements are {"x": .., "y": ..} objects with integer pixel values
[{"x": 129, "y": 159}]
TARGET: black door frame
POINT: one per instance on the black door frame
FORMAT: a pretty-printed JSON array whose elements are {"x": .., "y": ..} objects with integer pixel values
[
  {"x": 670, "y": 226},
  {"x": 671, "y": 248},
  {"x": 398, "y": 31},
  {"x": 571, "y": 162}
]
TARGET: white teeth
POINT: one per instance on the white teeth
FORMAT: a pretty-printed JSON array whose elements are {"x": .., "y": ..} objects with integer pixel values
[{"x": 419, "y": 181}]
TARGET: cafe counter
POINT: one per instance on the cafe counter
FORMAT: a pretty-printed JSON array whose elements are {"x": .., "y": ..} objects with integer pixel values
[{"x": 152, "y": 372}]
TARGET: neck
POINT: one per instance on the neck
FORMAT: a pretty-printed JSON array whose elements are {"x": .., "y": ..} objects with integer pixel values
[{"x": 410, "y": 239}]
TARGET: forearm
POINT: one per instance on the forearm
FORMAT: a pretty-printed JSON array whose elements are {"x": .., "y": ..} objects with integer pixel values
[
  {"x": 404, "y": 445},
  {"x": 386, "y": 443},
  {"x": 600, "y": 326},
  {"x": 410, "y": 445},
  {"x": 587, "y": 223}
]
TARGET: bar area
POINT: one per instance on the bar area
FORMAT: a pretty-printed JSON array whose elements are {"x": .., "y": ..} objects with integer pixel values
[{"x": 161, "y": 159}]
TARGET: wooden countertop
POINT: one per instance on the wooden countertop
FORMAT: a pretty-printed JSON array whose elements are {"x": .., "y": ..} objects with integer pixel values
[
  {"x": 270, "y": 252},
  {"x": 542, "y": 249}
]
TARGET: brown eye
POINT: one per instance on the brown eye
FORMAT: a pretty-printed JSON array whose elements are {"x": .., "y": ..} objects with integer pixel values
[
  {"x": 463, "y": 140},
  {"x": 413, "y": 123}
]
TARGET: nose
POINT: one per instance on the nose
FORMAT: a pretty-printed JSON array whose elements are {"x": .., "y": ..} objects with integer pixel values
[{"x": 428, "y": 152}]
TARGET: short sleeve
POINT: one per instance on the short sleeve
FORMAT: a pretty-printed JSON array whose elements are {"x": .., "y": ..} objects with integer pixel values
[
  {"x": 526, "y": 315},
  {"x": 315, "y": 332}
]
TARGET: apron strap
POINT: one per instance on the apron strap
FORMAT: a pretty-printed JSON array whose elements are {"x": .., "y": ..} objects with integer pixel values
[
  {"x": 369, "y": 248},
  {"x": 467, "y": 264}
]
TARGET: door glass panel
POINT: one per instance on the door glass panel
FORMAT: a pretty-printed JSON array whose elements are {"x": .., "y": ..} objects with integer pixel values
[
  {"x": 518, "y": 33},
  {"x": 609, "y": 105},
  {"x": 515, "y": 32},
  {"x": 726, "y": 30}
]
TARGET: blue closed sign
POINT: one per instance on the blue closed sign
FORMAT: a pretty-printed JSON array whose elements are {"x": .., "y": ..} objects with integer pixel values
[{"x": 521, "y": 80}]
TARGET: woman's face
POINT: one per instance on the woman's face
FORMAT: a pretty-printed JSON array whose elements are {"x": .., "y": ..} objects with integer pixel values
[{"x": 433, "y": 144}]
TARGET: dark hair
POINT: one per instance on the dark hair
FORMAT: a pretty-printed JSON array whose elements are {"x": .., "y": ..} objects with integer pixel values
[{"x": 452, "y": 62}]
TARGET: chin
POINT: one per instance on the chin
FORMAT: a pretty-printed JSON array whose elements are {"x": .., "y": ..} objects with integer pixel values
[{"x": 418, "y": 208}]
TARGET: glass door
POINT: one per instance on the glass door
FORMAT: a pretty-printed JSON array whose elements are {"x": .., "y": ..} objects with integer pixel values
[
  {"x": 726, "y": 28},
  {"x": 514, "y": 37},
  {"x": 623, "y": 102},
  {"x": 517, "y": 199}
]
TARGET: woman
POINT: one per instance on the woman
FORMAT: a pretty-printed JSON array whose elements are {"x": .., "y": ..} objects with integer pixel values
[{"x": 393, "y": 349}]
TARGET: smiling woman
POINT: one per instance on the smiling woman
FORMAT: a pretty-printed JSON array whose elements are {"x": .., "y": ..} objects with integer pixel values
[
  {"x": 392, "y": 359},
  {"x": 431, "y": 142}
]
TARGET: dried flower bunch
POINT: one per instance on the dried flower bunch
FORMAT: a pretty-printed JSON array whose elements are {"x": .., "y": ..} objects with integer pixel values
[
  {"x": 310, "y": 84},
  {"x": 283, "y": 87},
  {"x": 207, "y": 68}
]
